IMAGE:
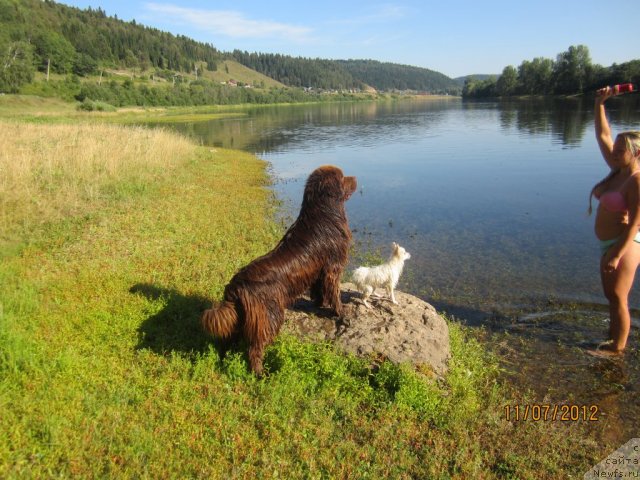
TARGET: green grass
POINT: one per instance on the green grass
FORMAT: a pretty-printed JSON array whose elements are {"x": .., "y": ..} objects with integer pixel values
[
  {"x": 34, "y": 109},
  {"x": 12, "y": 106},
  {"x": 183, "y": 115},
  {"x": 232, "y": 70},
  {"x": 226, "y": 70},
  {"x": 41, "y": 110},
  {"x": 105, "y": 372}
]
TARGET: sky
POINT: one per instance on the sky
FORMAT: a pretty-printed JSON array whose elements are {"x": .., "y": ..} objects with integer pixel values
[{"x": 456, "y": 38}]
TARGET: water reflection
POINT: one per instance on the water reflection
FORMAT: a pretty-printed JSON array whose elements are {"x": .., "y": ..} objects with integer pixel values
[
  {"x": 565, "y": 120},
  {"x": 273, "y": 128}
]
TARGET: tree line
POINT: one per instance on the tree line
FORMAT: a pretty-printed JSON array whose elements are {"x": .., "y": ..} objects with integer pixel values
[
  {"x": 114, "y": 93},
  {"x": 195, "y": 93},
  {"x": 299, "y": 72},
  {"x": 391, "y": 76},
  {"x": 572, "y": 72},
  {"x": 346, "y": 74}
]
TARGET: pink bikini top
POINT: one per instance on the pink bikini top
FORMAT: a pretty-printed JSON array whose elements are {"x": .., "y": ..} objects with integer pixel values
[{"x": 613, "y": 201}]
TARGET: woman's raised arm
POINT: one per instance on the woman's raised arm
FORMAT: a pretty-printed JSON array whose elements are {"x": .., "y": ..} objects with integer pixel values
[{"x": 603, "y": 131}]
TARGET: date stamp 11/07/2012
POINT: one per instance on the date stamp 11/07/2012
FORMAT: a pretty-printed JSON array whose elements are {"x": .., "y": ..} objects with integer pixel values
[{"x": 551, "y": 413}]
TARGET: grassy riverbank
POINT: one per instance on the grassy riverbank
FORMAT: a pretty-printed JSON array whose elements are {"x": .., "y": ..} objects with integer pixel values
[
  {"x": 34, "y": 109},
  {"x": 114, "y": 240}
]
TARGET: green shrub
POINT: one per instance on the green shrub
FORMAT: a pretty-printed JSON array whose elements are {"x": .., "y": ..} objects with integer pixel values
[{"x": 89, "y": 105}]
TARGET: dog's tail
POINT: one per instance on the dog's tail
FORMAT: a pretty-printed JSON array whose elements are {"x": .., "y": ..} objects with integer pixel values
[{"x": 221, "y": 322}]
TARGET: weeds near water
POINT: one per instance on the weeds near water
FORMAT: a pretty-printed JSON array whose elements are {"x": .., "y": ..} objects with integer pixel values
[{"x": 365, "y": 254}]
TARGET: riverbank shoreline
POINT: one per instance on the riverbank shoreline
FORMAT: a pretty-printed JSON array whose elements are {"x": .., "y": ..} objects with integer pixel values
[{"x": 52, "y": 109}]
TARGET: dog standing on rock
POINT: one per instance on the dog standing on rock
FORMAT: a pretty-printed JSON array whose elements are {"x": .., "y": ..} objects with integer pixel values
[
  {"x": 367, "y": 279},
  {"x": 311, "y": 255}
]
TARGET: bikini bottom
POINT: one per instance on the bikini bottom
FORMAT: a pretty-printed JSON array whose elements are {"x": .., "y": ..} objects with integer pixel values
[{"x": 605, "y": 245}]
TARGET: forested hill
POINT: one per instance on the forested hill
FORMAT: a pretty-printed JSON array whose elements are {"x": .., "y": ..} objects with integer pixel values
[
  {"x": 392, "y": 76},
  {"x": 299, "y": 72},
  {"x": 74, "y": 40},
  {"x": 49, "y": 36},
  {"x": 346, "y": 74}
]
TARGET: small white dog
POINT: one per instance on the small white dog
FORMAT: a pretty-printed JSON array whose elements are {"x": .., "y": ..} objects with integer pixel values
[{"x": 367, "y": 279}]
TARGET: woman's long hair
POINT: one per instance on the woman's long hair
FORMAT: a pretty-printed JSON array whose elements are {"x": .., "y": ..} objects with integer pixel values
[{"x": 632, "y": 141}]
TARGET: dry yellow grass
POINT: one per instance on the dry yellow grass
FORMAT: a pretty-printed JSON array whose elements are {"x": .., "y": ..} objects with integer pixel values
[{"x": 48, "y": 172}]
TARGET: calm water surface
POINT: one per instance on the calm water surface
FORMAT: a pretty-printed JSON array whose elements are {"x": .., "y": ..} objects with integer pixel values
[{"x": 490, "y": 198}]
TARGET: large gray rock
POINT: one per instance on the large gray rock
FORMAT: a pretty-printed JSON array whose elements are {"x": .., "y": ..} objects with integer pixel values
[{"x": 410, "y": 332}]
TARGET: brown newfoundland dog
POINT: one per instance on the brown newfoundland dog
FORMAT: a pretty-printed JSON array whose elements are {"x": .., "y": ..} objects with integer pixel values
[{"x": 311, "y": 255}]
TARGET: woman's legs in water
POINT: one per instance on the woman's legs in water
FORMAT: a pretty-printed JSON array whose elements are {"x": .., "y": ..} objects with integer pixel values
[{"x": 616, "y": 286}]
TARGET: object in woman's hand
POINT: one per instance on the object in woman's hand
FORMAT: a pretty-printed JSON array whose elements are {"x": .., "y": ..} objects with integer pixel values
[{"x": 623, "y": 88}]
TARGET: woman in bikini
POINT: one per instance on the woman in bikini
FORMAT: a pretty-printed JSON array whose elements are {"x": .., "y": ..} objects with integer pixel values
[{"x": 617, "y": 222}]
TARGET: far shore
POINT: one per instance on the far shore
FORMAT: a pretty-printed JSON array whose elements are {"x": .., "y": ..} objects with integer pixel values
[{"x": 28, "y": 107}]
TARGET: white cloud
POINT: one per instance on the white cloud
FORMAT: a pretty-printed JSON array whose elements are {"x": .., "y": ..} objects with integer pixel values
[
  {"x": 378, "y": 14},
  {"x": 230, "y": 23}
]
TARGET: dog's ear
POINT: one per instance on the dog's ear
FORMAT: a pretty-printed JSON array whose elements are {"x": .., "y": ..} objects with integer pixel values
[
  {"x": 395, "y": 246},
  {"x": 349, "y": 185}
]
